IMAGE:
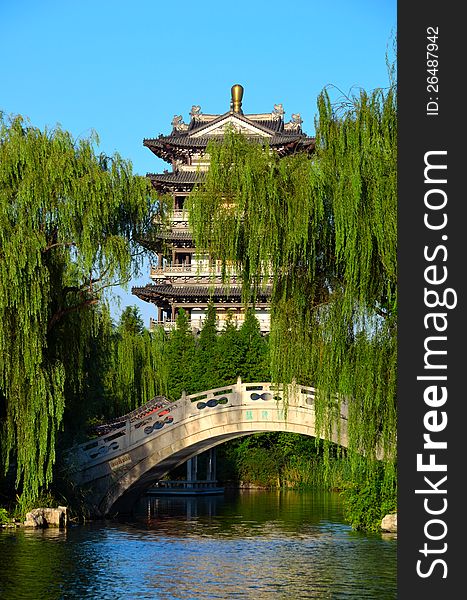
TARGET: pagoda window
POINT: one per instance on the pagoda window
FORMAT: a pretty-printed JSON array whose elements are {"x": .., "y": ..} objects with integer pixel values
[
  {"x": 182, "y": 258},
  {"x": 179, "y": 202}
]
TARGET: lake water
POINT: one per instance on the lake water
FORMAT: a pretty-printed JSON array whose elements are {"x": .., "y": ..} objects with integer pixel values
[{"x": 255, "y": 545}]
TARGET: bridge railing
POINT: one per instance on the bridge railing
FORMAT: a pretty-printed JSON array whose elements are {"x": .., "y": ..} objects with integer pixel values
[{"x": 148, "y": 421}]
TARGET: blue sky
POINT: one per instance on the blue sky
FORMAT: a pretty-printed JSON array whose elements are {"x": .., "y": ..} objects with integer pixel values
[{"x": 124, "y": 69}]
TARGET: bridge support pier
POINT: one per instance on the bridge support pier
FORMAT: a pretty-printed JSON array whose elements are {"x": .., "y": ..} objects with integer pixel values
[
  {"x": 192, "y": 467},
  {"x": 211, "y": 467}
]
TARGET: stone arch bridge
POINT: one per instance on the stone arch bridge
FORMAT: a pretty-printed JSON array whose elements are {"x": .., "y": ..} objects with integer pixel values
[{"x": 132, "y": 453}]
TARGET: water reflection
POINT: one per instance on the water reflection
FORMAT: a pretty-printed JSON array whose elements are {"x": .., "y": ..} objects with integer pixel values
[
  {"x": 248, "y": 545},
  {"x": 248, "y": 514}
]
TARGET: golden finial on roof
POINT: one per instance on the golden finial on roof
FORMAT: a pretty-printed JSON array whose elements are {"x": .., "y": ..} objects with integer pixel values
[{"x": 237, "y": 95}]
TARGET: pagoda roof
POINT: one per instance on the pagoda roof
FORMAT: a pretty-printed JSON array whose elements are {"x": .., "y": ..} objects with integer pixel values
[
  {"x": 156, "y": 243},
  {"x": 176, "y": 234},
  {"x": 176, "y": 178},
  {"x": 164, "y": 143},
  {"x": 172, "y": 293},
  {"x": 267, "y": 122},
  {"x": 173, "y": 147},
  {"x": 269, "y": 128}
]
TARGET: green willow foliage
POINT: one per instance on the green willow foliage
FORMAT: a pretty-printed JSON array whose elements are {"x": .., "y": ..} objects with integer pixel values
[
  {"x": 325, "y": 227},
  {"x": 138, "y": 372},
  {"x": 68, "y": 219},
  {"x": 123, "y": 366}
]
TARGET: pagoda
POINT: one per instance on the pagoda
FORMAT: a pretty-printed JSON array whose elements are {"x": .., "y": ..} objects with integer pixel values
[{"x": 182, "y": 277}]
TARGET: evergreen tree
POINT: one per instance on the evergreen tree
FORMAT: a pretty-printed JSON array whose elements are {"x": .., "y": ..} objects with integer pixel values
[
  {"x": 131, "y": 320},
  {"x": 180, "y": 355},
  {"x": 205, "y": 368},
  {"x": 68, "y": 221},
  {"x": 229, "y": 353},
  {"x": 255, "y": 364}
]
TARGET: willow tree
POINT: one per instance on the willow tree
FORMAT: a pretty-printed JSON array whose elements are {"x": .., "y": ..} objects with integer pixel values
[
  {"x": 137, "y": 369},
  {"x": 325, "y": 228},
  {"x": 68, "y": 221}
]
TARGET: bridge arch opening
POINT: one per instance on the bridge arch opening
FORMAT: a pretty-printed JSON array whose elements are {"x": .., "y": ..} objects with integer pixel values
[{"x": 177, "y": 464}]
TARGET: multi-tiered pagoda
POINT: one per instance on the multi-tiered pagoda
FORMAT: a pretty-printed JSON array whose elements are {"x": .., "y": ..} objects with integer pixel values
[{"x": 182, "y": 278}]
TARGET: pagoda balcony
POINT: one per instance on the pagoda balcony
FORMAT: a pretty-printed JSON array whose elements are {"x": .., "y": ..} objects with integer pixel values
[
  {"x": 179, "y": 215},
  {"x": 195, "y": 270},
  {"x": 167, "y": 325},
  {"x": 196, "y": 324},
  {"x": 198, "y": 271}
]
